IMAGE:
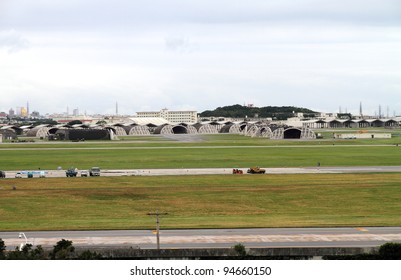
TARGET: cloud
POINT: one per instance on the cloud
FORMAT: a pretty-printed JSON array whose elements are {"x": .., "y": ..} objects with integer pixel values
[
  {"x": 12, "y": 42},
  {"x": 179, "y": 44},
  {"x": 275, "y": 52},
  {"x": 96, "y": 14}
]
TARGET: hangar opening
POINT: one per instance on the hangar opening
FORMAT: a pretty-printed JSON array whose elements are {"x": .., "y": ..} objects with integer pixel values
[
  {"x": 179, "y": 129},
  {"x": 169, "y": 129},
  {"x": 292, "y": 133}
]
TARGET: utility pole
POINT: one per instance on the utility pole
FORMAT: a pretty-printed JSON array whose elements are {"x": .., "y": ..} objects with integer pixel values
[{"x": 157, "y": 214}]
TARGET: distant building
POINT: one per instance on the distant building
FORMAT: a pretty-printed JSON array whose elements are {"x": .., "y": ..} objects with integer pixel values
[
  {"x": 35, "y": 114},
  {"x": 24, "y": 112},
  {"x": 171, "y": 116},
  {"x": 66, "y": 119}
]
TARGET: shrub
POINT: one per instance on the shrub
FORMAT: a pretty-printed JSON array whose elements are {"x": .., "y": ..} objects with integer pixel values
[
  {"x": 240, "y": 249},
  {"x": 63, "y": 250},
  {"x": 89, "y": 255},
  {"x": 390, "y": 251},
  {"x": 2, "y": 248}
]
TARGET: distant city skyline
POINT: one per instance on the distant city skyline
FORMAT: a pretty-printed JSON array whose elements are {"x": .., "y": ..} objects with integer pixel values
[
  {"x": 200, "y": 55},
  {"x": 25, "y": 111}
]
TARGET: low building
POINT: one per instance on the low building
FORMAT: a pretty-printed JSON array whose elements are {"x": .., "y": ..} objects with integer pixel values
[
  {"x": 174, "y": 117},
  {"x": 362, "y": 135}
]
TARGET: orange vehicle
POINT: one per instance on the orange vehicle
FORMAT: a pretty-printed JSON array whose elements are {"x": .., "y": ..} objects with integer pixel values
[{"x": 237, "y": 171}]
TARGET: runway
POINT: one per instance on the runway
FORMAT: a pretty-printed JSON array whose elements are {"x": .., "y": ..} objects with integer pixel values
[
  {"x": 220, "y": 171},
  {"x": 214, "y": 238}
]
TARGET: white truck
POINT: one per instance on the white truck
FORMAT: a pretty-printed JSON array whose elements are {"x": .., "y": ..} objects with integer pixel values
[{"x": 94, "y": 171}]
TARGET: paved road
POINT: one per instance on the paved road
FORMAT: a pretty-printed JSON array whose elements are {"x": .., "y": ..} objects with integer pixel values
[
  {"x": 205, "y": 171},
  {"x": 215, "y": 238}
]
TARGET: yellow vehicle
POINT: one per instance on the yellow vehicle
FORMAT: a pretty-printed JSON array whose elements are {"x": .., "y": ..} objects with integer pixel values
[{"x": 256, "y": 170}]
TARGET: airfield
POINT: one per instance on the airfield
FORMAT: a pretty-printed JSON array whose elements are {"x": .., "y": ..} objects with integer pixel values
[{"x": 310, "y": 191}]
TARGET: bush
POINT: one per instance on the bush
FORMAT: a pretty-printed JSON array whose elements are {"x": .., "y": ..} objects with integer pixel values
[
  {"x": 2, "y": 248},
  {"x": 63, "y": 250},
  {"x": 390, "y": 251},
  {"x": 240, "y": 250},
  {"x": 89, "y": 255},
  {"x": 27, "y": 253}
]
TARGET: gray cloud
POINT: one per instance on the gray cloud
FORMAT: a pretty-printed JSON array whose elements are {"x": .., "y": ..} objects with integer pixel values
[
  {"x": 276, "y": 52},
  {"x": 179, "y": 44},
  {"x": 89, "y": 14},
  {"x": 13, "y": 42}
]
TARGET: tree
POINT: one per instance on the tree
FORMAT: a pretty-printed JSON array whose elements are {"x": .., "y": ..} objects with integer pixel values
[
  {"x": 274, "y": 112},
  {"x": 390, "y": 251},
  {"x": 38, "y": 253},
  {"x": 21, "y": 254},
  {"x": 74, "y": 122},
  {"x": 63, "y": 250},
  {"x": 2, "y": 248}
]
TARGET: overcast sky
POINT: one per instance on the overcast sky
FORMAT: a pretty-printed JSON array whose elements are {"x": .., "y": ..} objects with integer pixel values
[{"x": 200, "y": 54}]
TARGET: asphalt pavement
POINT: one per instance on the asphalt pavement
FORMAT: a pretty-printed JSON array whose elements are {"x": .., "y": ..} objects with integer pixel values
[
  {"x": 216, "y": 171},
  {"x": 214, "y": 238}
]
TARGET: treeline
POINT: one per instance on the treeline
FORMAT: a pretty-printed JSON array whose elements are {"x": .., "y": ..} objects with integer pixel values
[
  {"x": 29, "y": 121},
  {"x": 64, "y": 250},
  {"x": 388, "y": 251},
  {"x": 274, "y": 112}
]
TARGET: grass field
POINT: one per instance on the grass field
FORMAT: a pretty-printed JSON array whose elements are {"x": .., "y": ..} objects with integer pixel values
[
  {"x": 225, "y": 151},
  {"x": 224, "y": 201},
  {"x": 227, "y": 201}
]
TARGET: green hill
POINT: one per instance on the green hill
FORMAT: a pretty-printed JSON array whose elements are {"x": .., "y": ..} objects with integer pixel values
[{"x": 274, "y": 112}]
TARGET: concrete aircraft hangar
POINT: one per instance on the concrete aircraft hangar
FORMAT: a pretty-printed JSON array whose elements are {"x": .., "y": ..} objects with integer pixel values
[{"x": 155, "y": 126}]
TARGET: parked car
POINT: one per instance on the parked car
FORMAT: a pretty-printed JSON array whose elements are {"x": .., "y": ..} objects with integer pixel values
[
  {"x": 72, "y": 172},
  {"x": 18, "y": 175},
  {"x": 94, "y": 171},
  {"x": 2, "y": 174},
  {"x": 84, "y": 173}
]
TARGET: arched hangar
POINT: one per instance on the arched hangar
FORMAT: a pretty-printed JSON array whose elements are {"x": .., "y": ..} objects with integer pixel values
[{"x": 292, "y": 133}]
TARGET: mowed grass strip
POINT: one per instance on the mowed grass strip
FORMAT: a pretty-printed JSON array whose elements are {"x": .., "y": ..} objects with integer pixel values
[
  {"x": 200, "y": 157},
  {"x": 228, "y": 201}
]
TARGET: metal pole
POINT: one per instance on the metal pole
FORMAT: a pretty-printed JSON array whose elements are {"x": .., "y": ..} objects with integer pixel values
[
  {"x": 157, "y": 214},
  {"x": 158, "y": 230}
]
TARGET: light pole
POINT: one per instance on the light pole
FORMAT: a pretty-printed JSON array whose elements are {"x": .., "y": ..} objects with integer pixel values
[
  {"x": 22, "y": 235},
  {"x": 157, "y": 214}
]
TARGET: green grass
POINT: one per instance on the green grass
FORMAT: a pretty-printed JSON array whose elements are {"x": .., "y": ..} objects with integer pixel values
[
  {"x": 201, "y": 201},
  {"x": 198, "y": 157},
  {"x": 227, "y": 201},
  {"x": 225, "y": 151}
]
